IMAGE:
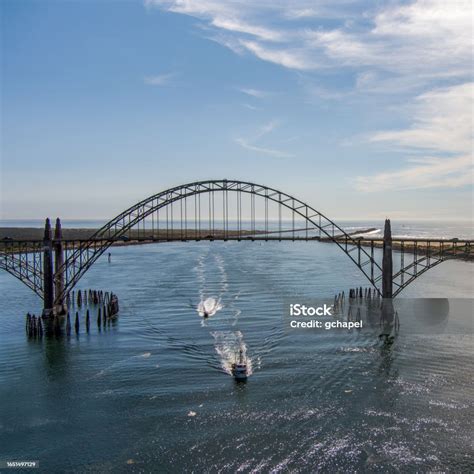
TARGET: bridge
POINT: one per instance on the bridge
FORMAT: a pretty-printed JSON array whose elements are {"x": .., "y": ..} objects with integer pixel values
[{"x": 219, "y": 210}]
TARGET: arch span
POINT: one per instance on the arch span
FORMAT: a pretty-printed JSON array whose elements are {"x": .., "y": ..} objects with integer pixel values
[
  {"x": 82, "y": 258},
  {"x": 27, "y": 271}
]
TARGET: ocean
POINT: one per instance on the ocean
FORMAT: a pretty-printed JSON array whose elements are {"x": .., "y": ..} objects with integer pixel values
[{"x": 152, "y": 391}]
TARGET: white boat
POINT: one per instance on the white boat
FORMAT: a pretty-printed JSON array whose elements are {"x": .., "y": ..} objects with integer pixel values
[{"x": 239, "y": 369}]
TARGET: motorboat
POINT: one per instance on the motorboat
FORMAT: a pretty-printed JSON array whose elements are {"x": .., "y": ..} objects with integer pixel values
[{"x": 239, "y": 368}]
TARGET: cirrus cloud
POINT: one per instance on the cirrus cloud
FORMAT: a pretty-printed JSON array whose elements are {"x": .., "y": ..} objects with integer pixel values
[
  {"x": 420, "y": 50},
  {"x": 443, "y": 125}
]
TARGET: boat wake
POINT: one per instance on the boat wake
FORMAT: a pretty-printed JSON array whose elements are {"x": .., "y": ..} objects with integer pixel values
[
  {"x": 227, "y": 345},
  {"x": 212, "y": 277},
  {"x": 209, "y": 306}
]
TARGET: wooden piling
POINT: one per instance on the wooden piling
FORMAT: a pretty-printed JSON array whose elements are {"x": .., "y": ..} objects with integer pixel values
[
  {"x": 114, "y": 305},
  {"x": 68, "y": 324},
  {"x": 27, "y": 323}
]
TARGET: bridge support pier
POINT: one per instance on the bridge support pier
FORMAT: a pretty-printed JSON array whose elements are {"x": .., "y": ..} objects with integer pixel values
[
  {"x": 48, "y": 274},
  {"x": 59, "y": 304},
  {"x": 387, "y": 263}
]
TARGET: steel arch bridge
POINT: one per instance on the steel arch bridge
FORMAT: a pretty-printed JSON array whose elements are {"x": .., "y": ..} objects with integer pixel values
[{"x": 220, "y": 210}]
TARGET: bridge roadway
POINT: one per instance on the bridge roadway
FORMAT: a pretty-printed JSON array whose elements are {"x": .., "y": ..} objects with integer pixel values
[
  {"x": 453, "y": 246},
  {"x": 217, "y": 210}
]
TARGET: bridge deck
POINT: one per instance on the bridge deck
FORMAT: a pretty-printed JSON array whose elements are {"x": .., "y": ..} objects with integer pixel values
[
  {"x": 451, "y": 248},
  {"x": 215, "y": 210}
]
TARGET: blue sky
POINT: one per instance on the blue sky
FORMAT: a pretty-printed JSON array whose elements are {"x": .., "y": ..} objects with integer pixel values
[{"x": 362, "y": 109}]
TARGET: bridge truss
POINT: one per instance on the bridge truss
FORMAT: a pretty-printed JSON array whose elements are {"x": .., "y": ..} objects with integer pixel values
[
  {"x": 24, "y": 260},
  {"x": 224, "y": 210}
]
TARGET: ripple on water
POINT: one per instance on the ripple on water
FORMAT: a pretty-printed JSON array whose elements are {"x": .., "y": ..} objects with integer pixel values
[{"x": 156, "y": 389}]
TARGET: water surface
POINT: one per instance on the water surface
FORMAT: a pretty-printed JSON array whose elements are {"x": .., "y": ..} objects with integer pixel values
[{"x": 152, "y": 392}]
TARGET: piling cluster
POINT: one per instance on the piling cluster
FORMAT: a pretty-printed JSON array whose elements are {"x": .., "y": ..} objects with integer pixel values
[
  {"x": 371, "y": 301},
  {"x": 339, "y": 305},
  {"x": 105, "y": 303},
  {"x": 34, "y": 326},
  {"x": 363, "y": 293},
  {"x": 356, "y": 295},
  {"x": 104, "y": 306},
  {"x": 94, "y": 297}
]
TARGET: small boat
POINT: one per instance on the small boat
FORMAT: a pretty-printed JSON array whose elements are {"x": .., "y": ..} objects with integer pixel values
[{"x": 239, "y": 369}]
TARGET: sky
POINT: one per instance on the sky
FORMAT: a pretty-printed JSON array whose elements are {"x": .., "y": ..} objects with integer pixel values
[{"x": 361, "y": 109}]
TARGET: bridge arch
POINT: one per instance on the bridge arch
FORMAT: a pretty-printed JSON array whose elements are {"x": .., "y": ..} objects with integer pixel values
[
  {"x": 81, "y": 258},
  {"x": 30, "y": 273}
]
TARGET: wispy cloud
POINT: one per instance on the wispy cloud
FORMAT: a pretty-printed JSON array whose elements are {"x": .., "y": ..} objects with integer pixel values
[
  {"x": 445, "y": 173},
  {"x": 289, "y": 57},
  {"x": 259, "y": 94},
  {"x": 420, "y": 50},
  {"x": 160, "y": 79},
  {"x": 399, "y": 39},
  {"x": 442, "y": 121},
  {"x": 297, "y": 14},
  {"x": 251, "y": 143},
  {"x": 443, "y": 125},
  {"x": 267, "y": 151},
  {"x": 266, "y": 128},
  {"x": 238, "y": 26},
  {"x": 250, "y": 107}
]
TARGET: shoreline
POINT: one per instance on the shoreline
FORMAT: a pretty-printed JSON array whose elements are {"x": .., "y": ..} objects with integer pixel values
[
  {"x": 73, "y": 236},
  {"x": 84, "y": 233}
]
